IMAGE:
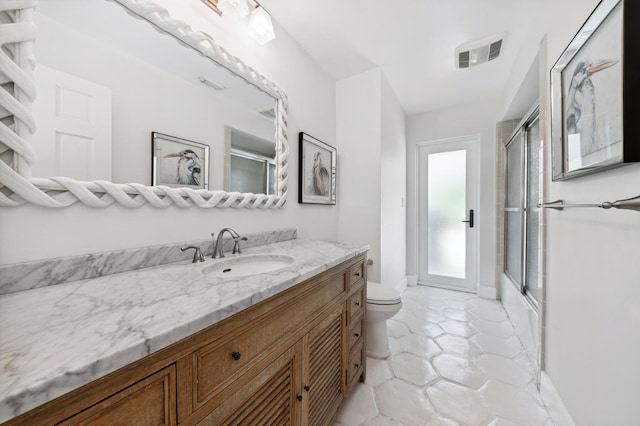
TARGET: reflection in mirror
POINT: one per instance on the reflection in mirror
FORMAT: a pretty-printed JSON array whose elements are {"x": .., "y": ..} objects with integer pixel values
[
  {"x": 252, "y": 163},
  {"x": 107, "y": 80}
]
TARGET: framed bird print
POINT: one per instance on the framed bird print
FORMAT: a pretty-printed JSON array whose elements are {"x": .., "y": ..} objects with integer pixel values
[
  {"x": 178, "y": 162},
  {"x": 593, "y": 93},
  {"x": 317, "y": 177}
]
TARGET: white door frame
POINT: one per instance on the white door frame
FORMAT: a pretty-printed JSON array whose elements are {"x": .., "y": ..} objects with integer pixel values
[{"x": 474, "y": 180}]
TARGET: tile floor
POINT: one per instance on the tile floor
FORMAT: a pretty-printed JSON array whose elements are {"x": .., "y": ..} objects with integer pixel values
[{"x": 455, "y": 360}]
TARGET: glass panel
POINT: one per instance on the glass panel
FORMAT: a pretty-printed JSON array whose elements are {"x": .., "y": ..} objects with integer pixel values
[
  {"x": 513, "y": 246},
  {"x": 446, "y": 201},
  {"x": 248, "y": 175},
  {"x": 533, "y": 181},
  {"x": 513, "y": 216},
  {"x": 514, "y": 173}
]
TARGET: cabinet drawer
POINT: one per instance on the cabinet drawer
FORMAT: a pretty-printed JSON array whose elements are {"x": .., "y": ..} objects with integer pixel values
[
  {"x": 215, "y": 365},
  {"x": 356, "y": 364},
  {"x": 151, "y": 401},
  {"x": 268, "y": 398},
  {"x": 356, "y": 272},
  {"x": 356, "y": 304},
  {"x": 355, "y": 334}
]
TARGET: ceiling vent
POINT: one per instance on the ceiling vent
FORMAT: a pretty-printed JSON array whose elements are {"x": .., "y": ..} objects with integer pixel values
[
  {"x": 268, "y": 111},
  {"x": 479, "y": 51}
]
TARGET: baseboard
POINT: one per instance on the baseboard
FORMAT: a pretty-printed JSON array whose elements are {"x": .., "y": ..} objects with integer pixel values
[
  {"x": 487, "y": 292},
  {"x": 555, "y": 407},
  {"x": 412, "y": 280},
  {"x": 402, "y": 285}
]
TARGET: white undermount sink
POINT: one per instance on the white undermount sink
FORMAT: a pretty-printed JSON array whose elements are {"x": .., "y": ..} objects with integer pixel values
[{"x": 245, "y": 265}]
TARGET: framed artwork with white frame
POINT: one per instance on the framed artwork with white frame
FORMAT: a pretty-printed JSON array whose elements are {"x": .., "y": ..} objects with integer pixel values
[{"x": 178, "y": 162}]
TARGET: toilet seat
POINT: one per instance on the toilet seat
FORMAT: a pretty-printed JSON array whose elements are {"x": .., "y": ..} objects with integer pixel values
[{"x": 379, "y": 295}]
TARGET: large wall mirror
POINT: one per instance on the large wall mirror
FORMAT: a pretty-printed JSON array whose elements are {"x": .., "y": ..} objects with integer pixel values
[{"x": 107, "y": 80}]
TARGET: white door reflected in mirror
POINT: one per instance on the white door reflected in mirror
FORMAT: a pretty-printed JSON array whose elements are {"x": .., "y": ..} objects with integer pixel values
[{"x": 76, "y": 115}]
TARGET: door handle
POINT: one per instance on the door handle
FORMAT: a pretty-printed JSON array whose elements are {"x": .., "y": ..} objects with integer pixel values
[{"x": 470, "y": 221}]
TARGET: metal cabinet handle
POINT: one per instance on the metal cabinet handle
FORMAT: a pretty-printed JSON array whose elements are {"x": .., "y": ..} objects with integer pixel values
[
  {"x": 236, "y": 355},
  {"x": 299, "y": 397},
  {"x": 307, "y": 387},
  {"x": 357, "y": 334}
]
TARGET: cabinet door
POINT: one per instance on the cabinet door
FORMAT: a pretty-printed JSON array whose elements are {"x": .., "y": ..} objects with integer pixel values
[
  {"x": 151, "y": 401},
  {"x": 324, "y": 383},
  {"x": 269, "y": 398}
]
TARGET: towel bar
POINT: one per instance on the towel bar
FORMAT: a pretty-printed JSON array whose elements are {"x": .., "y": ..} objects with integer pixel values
[{"x": 626, "y": 204}]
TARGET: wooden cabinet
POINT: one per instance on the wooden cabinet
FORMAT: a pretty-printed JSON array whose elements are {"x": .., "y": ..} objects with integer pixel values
[
  {"x": 152, "y": 401},
  {"x": 324, "y": 383},
  {"x": 289, "y": 360}
]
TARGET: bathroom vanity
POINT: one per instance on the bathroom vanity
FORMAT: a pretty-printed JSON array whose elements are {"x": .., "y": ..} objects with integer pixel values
[{"x": 173, "y": 345}]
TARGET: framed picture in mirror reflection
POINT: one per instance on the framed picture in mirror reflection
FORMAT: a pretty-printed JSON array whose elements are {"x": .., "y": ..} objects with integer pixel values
[
  {"x": 178, "y": 162},
  {"x": 317, "y": 174}
]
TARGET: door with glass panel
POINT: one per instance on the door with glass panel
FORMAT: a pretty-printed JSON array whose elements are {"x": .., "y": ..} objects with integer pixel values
[
  {"x": 447, "y": 213},
  {"x": 521, "y": 213}
]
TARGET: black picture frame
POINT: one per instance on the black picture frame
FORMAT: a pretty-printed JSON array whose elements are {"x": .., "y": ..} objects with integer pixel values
[
  {"x": 317, "y": 171},
  {"x": 594, "y": 113}
]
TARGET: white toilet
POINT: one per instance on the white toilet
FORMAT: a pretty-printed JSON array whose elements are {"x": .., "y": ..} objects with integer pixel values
[{"x": 382, "y": 304}]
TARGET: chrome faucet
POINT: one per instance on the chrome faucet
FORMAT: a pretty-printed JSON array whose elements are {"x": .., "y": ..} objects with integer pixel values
[
  {"x": 197, "y": 255},
  {"x": 218, "y": 249}
]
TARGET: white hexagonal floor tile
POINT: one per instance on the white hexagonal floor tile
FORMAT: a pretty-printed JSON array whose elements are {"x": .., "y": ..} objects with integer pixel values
[
  {"x": 493, "y": 314},
  {"x": 501, "y": 422},
  {"x": 513, "y": 404},
  {"x": 415, "y": 344},
  {"x": 425, "y": 327},
  {"x": 457, "y": 345},
  {"x": 483, "y": 303},
  {"x": 508, "y": 348},
  {"x": 447, "y": 397},
  {"x": 459, "y": 370},
  {"x": 397, "y": 329},
  {"x": 463, "y": 363},
  {"x": 456, "y": 304},
  {"x": 459, "y": 315},
  {"x": 458, "y": 328},
  {"x": 503, "y": 369},
  {"x": 499, "y": 329},
  {"x": 404, "y": 403},
  {"x": 382, "y": 421},
  {"x": 359, "y": 407},
  {"x": 404, "y": 316},
  {"x": 413, "y": 369},
  {"x": 378, "y": 371}
]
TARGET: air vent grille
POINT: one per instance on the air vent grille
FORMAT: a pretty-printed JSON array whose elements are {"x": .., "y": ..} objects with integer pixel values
[
  {"x": 268, "y": 112},
  {"x": 480, "y": 51}
]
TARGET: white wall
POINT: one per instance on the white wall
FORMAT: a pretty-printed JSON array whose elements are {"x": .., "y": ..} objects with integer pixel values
[
  {"x": 393, "y": 187},
  {"x": 371, "y": 167},
  {"x": 591, "y": 336},
  {"x": 470, "y": 119},
  {"x": 358, "y": 112},
  {"x": 33, "y": 233}
]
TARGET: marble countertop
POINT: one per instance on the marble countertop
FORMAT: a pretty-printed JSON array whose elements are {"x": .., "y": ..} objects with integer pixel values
[{"x": 58, "y": 338}]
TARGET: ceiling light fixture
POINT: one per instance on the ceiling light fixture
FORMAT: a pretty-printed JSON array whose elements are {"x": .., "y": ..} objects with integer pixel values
[
  {"x": 260, "y": 25},
  {"x": 235, "y": 9},
  {"x": 213, "y": 4}
]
